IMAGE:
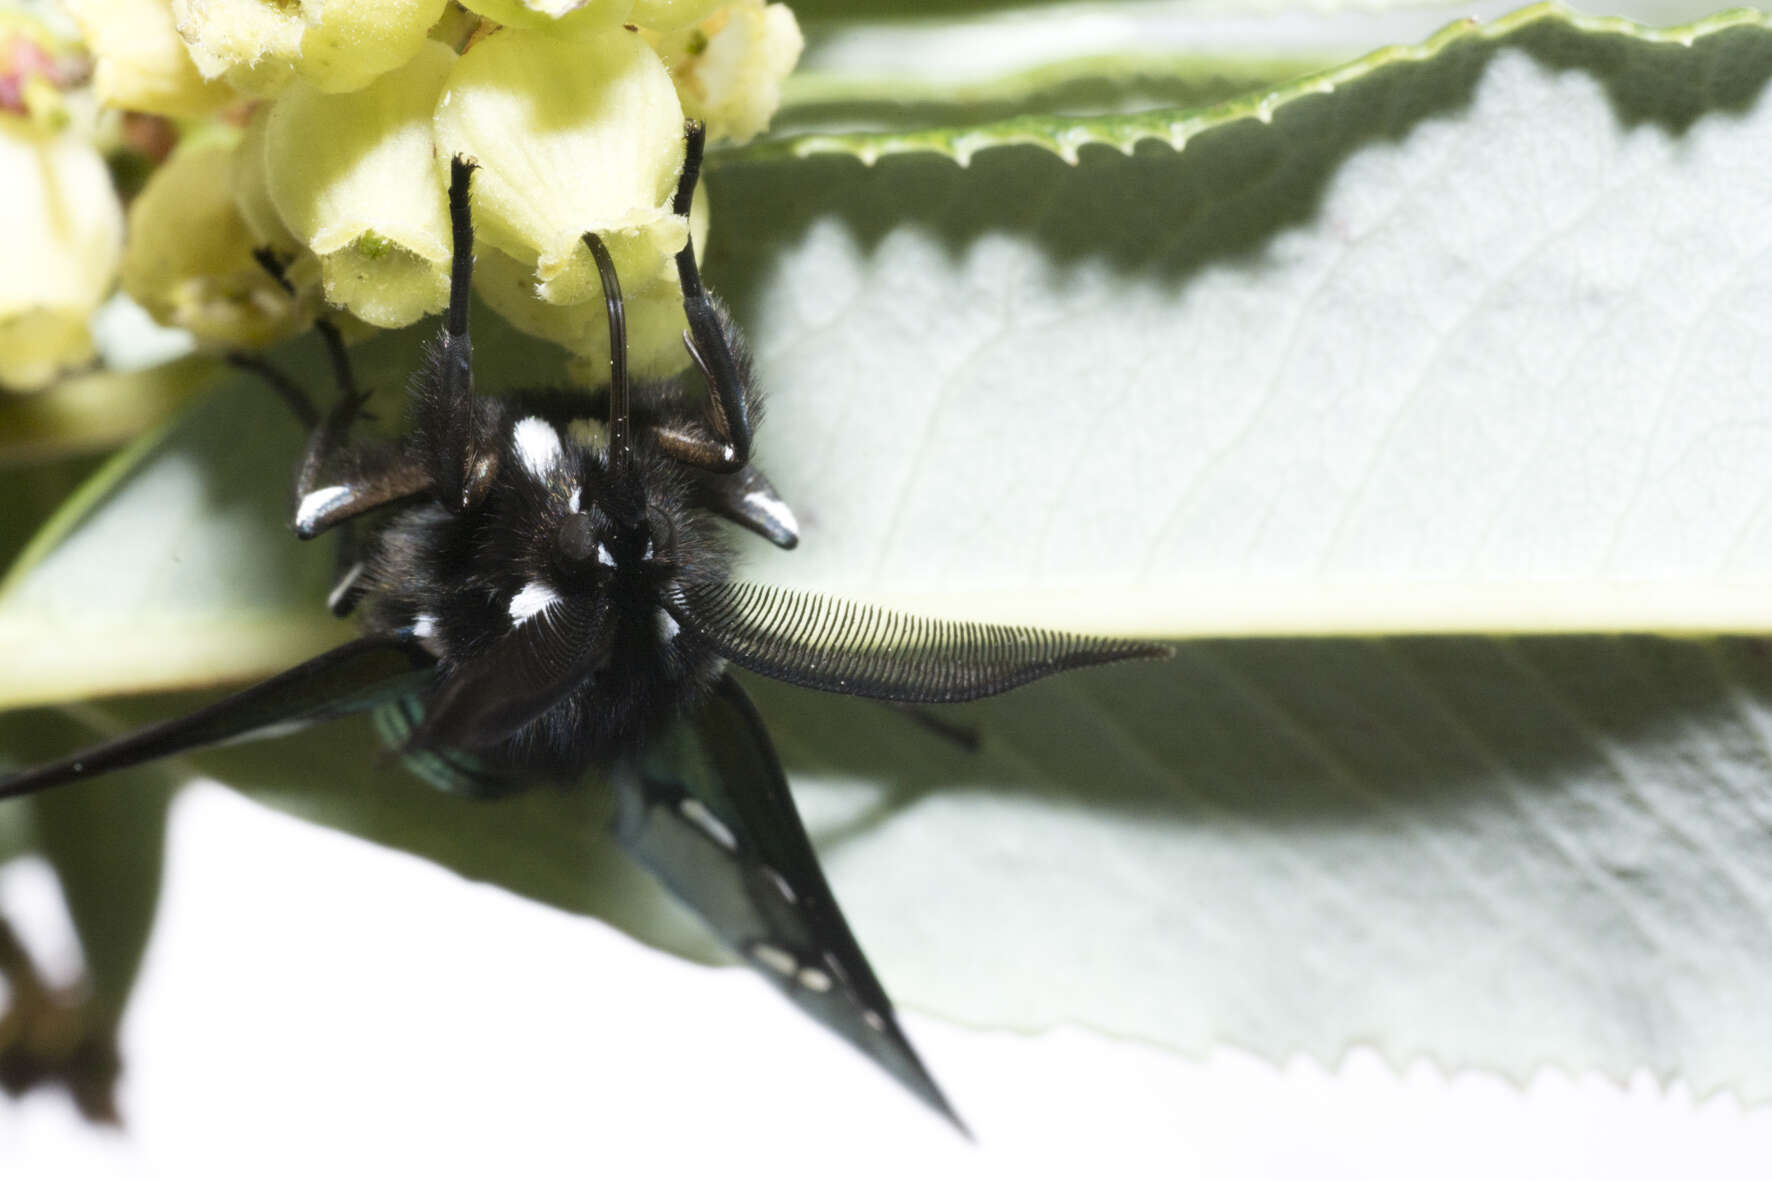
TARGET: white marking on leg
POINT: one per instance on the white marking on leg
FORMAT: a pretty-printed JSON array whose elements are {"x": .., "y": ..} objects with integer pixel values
[
  {"x": 774, "y": 508},
  {"x": 538, "y": 447},
  {"x": 344, "y": 585},
  {"x": 775, "y": 959},
  {"x": 534, "y": 598},
  {"x": 424, "y": 626},
  {"x": 668, "y": 627},
  {"x": 815, "y": 980},
  {"x": 696, "y": 813},
  {"x": 316, "y": 504}
]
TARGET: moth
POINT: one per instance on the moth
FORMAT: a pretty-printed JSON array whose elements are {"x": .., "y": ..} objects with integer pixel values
[{"x": 545, "y": 589}]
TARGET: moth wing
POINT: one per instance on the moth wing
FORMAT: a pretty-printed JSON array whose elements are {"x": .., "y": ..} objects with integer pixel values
[
  {"x": 518, "y": 678},
  {"x": 707, "y": 811},
  {"x": 349, "y": 679}
]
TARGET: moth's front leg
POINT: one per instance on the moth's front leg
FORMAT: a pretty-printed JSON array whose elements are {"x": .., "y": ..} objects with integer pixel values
[{"x": 714, "y": 345}]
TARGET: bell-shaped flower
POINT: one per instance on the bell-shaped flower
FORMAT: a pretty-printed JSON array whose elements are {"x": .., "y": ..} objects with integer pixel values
[
  {"x": 571, "y": 137},
  {"x": 353, "y": 177},
  {"x": 260, "y": 46},
  {"x": 652, "y": 303},
  {"x": 189, "y": 257},
  {"x": 64, "y": 231},
  {"x": 142, "y": 63},
  {"x": 729, "y": 67}
]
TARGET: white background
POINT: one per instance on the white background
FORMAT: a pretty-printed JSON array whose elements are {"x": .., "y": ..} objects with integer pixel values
[{"x": 316, "y": 1006}]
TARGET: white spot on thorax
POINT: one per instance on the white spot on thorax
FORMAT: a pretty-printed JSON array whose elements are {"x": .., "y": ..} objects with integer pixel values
[
  {"x": 534, "y": 598},
  {"x": 576, "y": 497},
  {"x": 668, "y": 626},
  {"x": 696, "y": 813},
  {"x": 604, "y": 557},
  {"x": 424, "y": 626},
  {"x": 538, "y": 447},
  {"x": 318, "y": 503},
  {"x": 775, "y": 959}
]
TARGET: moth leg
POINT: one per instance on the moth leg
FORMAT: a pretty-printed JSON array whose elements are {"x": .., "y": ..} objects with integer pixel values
[
  {"x": 455, "y": 433},
  {"x": 714, "y": 345}
]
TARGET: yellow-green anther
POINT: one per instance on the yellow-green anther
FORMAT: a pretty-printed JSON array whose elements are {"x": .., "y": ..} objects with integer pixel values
[
  {"x": 354, "y": 178},
  {"x": 189, "y": 256},
  {"x": 142, "y": 63},
  {"x": 64, "y": 235},
  {"x": 570, "y": 137},
  {"x": 672, "y": 14},
  {"x": 575, "y": 19},
  {"x": 729, "y": 67},
  {"x": 260, "y": 46}
]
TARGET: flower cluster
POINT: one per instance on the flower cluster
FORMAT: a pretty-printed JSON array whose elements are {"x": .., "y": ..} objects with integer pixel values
[{"x": 324, "y": 130}]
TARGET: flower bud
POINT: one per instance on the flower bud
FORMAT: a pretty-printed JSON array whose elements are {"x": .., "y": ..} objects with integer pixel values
[
  {"x": 142, "y": 62},
  {"x": 261, "y": 45},
  {"x": 64, "y": 234},
  {"x": 573, "y": 19},
  {"x": 189, "y": 258},
  {"x": 354, "y": 178},
  {"x": 570, "y": 137},
  {"x": 729, "y": 67}
]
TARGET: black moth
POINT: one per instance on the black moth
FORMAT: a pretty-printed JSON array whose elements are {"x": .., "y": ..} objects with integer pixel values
[{"x": 540, "y": 600}]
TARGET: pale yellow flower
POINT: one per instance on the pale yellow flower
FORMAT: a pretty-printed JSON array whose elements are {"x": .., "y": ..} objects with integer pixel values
[
  {"x": 729, "y": 67},
  {"x": 64, "y": 229},
  {"x": 355, "y": 178},
  {"x": 142, "y": 63},
  {"x": 189, "y": 258},
  {"x": 260, "y": 46},
  {"x": 570, "y": 137}
]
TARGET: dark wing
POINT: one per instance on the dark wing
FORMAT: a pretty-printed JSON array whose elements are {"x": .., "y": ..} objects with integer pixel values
[
  {"x": 710, "y": 815},
  {"x": 349, "y": 679},
  {"x": 863, "y": 651},
  {"x": 520, "y": 677}
]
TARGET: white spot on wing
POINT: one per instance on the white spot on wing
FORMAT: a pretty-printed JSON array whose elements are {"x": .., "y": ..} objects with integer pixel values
[
  {"x": 775, "y": 959},
  {"x": 875, "y": 1022},
  {"x": 534, "y": 598},
  {"x": 538, "y": 447},
  {"x": 781, "y": 885},
  {"x": 318, "y": 503},
  {"x": 775, "y": 509},
  {"x": 696, "y": 813},
  {"x": 815, "y": 980}
]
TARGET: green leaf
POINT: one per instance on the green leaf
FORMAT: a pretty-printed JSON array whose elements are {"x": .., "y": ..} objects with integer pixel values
[{"x": 1473, "y": 340}]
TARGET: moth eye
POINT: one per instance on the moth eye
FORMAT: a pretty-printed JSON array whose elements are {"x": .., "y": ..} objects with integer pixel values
[{"x": 577, "y": 544}]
